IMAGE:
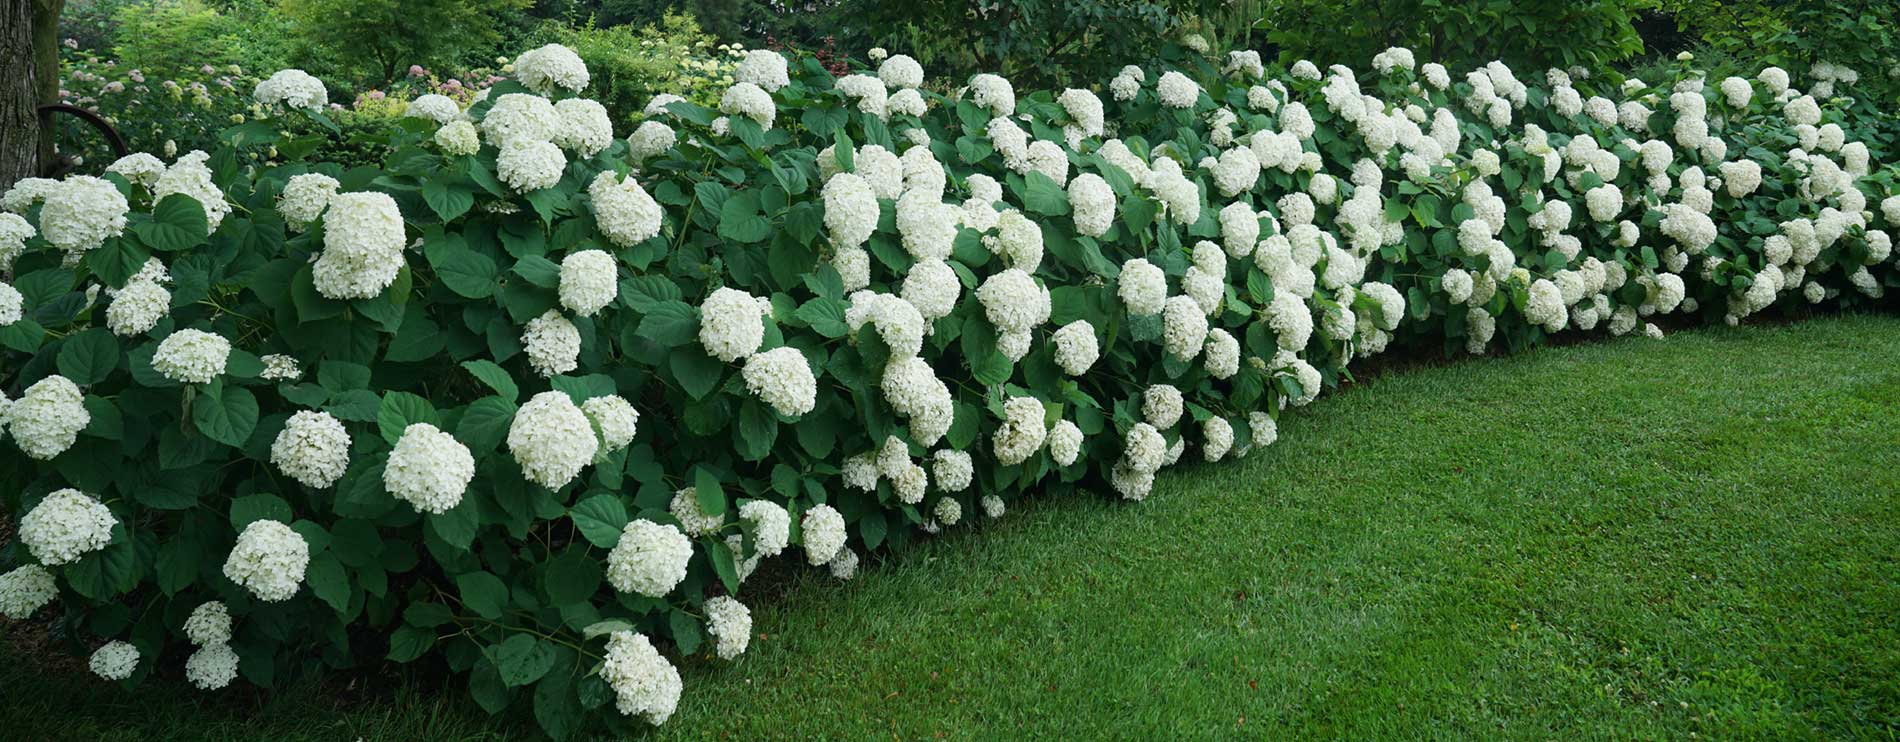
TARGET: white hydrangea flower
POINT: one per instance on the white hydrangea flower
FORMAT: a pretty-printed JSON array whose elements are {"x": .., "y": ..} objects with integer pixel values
[
  {"x": 616, "y": 419},
  {"x": 1161, "y": 405},
  {"x": 428, "y": 469},
  {"x": 823, "y": 528},
  {"x": 650, "y": 140},
  {"x": 313, "y": 449},
  {"x": 994, "y": 93},
  {"x": 1144, "y": 449},
  {"x": 517, "y": 119},
  {"x": 28, "y": 191},
  {"x": 277, "y": 366},
  {"x": 649, "y": 559},
  {"x": 363, "y": 240},
  {"x": 15, "y": 230},
  {"x": 212, "y": 667},
  {"x": 530, "y": 166},
  {"x": 551, "y": 439},
  {"x": 1143, "y": 287},
  {"x": 81, "y": 213},
  {"x": 191, "y": 177},
  {"x": 1177, "y": 90},
  {"x": 730, "y": 623},
  {"x": 868, "y": 91},
  {"x": 1023, "y": 430},
  {"x": 900, "y": 71},
  {"x": 434, "y": 107},
  {"x": 115, "y": 661},
  {"x": 65, "y": 526},
  {"x": 1183, "y": 328},
  {"x": 209, "y": 623},
  {"x": 12, "y": 305},
  {"x": 305, "y": 197},
  {"x": 25, "y": 590},
  {"x": 1223, "y": 354},
  {"x": 1092, "y": 201},
  {"x": 292, "y": 88},
  {"x": 139, "y": 168},
  {"x": 1217, "y": 438},
  {"x": 1065, "y": 442},
  {"x": 695, "y": 522},
  {"x": 553, "y": 344},
  {"x": 933, "y": 288},
  {"x": 1264, "y": 429},
  {"x": 589, "y": 281},
  {"x": 458, "y": 138},
  {"x": 782, "y": 378},
  {"x": 751, "y": 101},
  {"x": 645, "y": 685},
  {"x": 46, "y": 420},
  {"x": 731, "y": 324},
  {"x": 1013, "y": 301},
  {"x": 764, "y": 68},
  {"x": 769, "y": 525},
  {"x": 269, "y": 560},
  {"x": 551, "y": 67},
  {"x": 851, "y": 209},
  {"x": 623, "y": 210},
  {"x": 844, "y": 566},
  {"x": 191, "y": 356},
  {"x": 585, "y": 127},
  {"x": 953, "y": 470},
  {"x": 1076, "y": 347}
]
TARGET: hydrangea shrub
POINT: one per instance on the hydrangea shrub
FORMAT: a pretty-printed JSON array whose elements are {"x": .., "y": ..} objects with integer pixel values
[{"x": 532, "y": 402}]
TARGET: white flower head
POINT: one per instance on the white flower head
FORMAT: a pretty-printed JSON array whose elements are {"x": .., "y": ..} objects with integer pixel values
[
  {"x": 269, "y": 560},
  {"x": 313, "y": 449},
  {"x": 649, "y": 559},
  {"x": 65, "y": 526},
  {"x": 551, "y": 439},
  {"x": 429, "y": 469}
]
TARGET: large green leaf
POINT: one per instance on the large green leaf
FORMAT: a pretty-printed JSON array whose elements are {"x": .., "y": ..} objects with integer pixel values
[
  {"x": 177, "y": 223},
  {"x": 88, "y": 357},
  {"x": 225, "y": 414},
  {"x": 600, "y": 519}
]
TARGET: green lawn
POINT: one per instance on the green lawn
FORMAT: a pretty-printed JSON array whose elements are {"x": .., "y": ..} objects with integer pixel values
[{"x": 1626, "y": 539}]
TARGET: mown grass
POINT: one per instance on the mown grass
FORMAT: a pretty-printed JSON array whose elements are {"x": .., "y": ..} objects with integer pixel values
[{"x": 1628, "y": 539}]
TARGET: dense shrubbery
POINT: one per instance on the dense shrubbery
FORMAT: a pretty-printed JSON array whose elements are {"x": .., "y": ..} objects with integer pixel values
[{"x": 527, "y": 397}]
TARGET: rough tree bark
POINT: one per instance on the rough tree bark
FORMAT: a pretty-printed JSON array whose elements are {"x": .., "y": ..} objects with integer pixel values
[{"x": 29, "y": 78}]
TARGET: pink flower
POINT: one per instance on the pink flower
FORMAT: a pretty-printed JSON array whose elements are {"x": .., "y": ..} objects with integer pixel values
[
  {"x": 208, "y": 69},
  {"x": 115, "y": 87},
  {"x": 136, "y": 76},
  {"x": 452, "y": 83},
  {"x": 72, "y": 43},
  {"x": 376, "y": 95},
  {"x": 416, "y": 70}
]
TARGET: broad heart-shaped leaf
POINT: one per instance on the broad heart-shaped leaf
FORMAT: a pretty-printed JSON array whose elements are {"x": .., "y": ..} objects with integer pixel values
[
  {"x": 117, "y": 260},
  {"x": 465, "y": 271},
  {"x": 483, "y": 593},
  {"x": 399, "y": 410},
  {"x": 696, "y": 372},
  {"x": 740, "y": 220},
  {"x": 556, "y": 706},
  {"x": 495, "y": 377},
  {"x": 521, "y": 659},
  {"x": 457, "y": 526},
  {"x": 1043, "y": 196},
  {"x": 408, "y": 643},
  {"x": 685, "y": 630},
  {"x": 539, "y": 271},
  {"x": 825, "y": 316},
  {"x": 177, "y": 223},
  {"x": 706, "y": 489},
  {"x": 107, "y": 572},
  {"x": 225, "y": 414},
  {"x": 328, "y": 581},
  {"x": 721, "y": 558},
  {"x": 448, "y": 200},
  {"x": 756, "y": 432},
  {"x": 88, "y": 357},
  {"x": 643, "y": 293},
  {"x": 600, "y": 519},
  {"x": 670, "y": 323},
  {"x": 583, "y": 388},
  {"x": 485, "y": 424},
  {"x": 251, "y": 508},
  {"x": 572, "y": 577}
]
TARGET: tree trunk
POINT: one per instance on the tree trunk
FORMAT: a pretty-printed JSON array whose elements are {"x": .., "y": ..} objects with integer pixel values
[{"x": 29, "y": 78}]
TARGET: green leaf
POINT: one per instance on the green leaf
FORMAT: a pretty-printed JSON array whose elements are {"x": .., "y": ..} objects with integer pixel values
[
  {"x": 1041, "y": 195},
  {"x": 88, "y": 357},
  {"x": 825, "y": 316},
  {"x": 670, "y": 323},
  {"x": 448, "y": 200},
  {"x": 722, "y": 561},
  {"x": 409, "y": 643},
  {"x": 698, "y": 374},
  {"x": 484, "y": 424},
  {"x": 600, "y": 519},
  {"x": 497, "y": 379},
  {"x": 399, "y": 410},
  {"x": 757, "y": 430},
  {"x": 464, "y": 271},
  {"x": 458, "y": 525},
  {"x": 706, "y": 489},
  {"x": 225, "y": 414},
  {"x": 643, "y": 293},
  {"x": 539, "y": 271},
  {"x": 556, "y": 706},
  {"x": 740, "y": 221},
  {"x": 178, "y": 223},
  {"x": 251, "y": 508},
  {"x": 117, "y": 260},
  {"x": 685, "y": 630},
  {"x": 483, "y": 593},
  {"x": 572, "y": 577},
  {"x": 328, "y": 581},
  {"x": 522, "y": 659}
]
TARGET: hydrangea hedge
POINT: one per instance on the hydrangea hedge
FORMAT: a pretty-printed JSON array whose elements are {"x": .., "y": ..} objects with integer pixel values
[{"x": 532, "y": 403}]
